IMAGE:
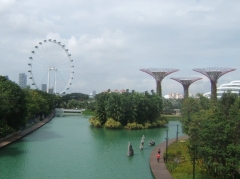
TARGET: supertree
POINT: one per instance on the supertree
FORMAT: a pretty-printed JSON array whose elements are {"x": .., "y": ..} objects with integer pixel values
[
  {"x": 213, "y": 74},
  {"x": 159, "y": 74},
  {"x": 186, "y": 82}
]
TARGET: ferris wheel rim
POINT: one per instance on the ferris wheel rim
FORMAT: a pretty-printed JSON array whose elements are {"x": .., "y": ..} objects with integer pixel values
[{"x": 69, "y": 83}]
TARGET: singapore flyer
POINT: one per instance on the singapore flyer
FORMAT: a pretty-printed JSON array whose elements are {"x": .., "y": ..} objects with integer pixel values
[{"x": 51, "y": 67}]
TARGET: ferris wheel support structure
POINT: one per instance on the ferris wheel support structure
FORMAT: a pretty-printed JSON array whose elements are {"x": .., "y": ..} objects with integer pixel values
[{"x": 55, "y": 80}]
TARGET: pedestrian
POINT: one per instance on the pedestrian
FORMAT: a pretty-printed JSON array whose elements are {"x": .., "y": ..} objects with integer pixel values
[
  {"x": 158, "y": 157},
  {"x": 159, "y": 151}
]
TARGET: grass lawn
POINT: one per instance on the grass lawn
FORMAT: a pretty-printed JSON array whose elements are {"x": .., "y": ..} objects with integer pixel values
[
  {"x": 180, "y": 163},
  {"x": 88, "y": 112},
  {"x": 169, "y": 117}
]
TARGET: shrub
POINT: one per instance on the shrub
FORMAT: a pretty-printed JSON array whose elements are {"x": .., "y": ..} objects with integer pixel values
[
  {"x": 147, "y": 125},
  {"x": 95, "y": 122},
  {"x": 134, "y": 126},
  {"x": 112, "y": 124}
]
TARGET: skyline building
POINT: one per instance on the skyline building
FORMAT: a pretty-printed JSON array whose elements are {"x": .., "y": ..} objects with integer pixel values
[
  {"x": 51, "y": 91},
  {"x": 22, "y": 82},
  {"x": 92, "y": 95},
  {"x": 44, "y": 87}
]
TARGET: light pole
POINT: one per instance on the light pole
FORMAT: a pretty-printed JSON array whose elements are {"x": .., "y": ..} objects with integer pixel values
[
  {"x": 166, "y": 147},
  {"x": 194, "y": 150},
  {"x": 177, "y": 134}
]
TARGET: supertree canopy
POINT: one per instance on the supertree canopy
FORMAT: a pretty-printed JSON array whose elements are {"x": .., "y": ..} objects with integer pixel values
[
  {"x": 186, "y": 82},
  {"x": 213, "y": 74},
  {"x": 159, "y": 74}
]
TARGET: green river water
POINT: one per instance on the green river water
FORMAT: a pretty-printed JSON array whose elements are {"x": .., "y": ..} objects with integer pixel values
[{"x": 69, "y": 148}]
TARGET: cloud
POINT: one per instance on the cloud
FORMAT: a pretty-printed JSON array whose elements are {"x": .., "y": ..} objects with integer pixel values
[
  {"x": 6, "y": 5},
  {"x": 109, "y": 41}
]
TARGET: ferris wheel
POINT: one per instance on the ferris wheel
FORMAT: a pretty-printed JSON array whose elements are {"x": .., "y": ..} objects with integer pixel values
[{"x": 51, "y": 67}]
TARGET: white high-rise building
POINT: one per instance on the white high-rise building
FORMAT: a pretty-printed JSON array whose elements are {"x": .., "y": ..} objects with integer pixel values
[{"x": 22, "y": 80}]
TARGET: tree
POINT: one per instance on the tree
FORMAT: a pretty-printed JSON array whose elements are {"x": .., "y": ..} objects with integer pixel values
[
  {"x": 13, "y": 104},
  {"x": 128, "y": 107},
  {"x": 76, "y": 96},
  {"x": 215, "y": 132}
]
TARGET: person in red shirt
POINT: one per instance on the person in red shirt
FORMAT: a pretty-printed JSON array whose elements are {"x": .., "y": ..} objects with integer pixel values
[{"x": 158, "y": 157}]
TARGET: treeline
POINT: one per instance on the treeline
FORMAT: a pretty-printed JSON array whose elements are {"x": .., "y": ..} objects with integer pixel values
[
  {"x": 131, "y": 110},
  {"x": 75, "y": 96},
  {"x": 170, "y": 104},
  {"x": 214, "y": 135},
  {"x": 19, "y": 106}
]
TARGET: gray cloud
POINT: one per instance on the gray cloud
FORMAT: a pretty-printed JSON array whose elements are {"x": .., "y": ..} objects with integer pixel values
[{"x": 111, "y": 40}]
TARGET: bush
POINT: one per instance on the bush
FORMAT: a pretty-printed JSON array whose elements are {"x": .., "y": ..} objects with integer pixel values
[
  {"x": 147, "y": 125},
  {"x": 95, "y": 122},
  {"x": 134, "y": 126},
  {"x": 112, "y": 124}
]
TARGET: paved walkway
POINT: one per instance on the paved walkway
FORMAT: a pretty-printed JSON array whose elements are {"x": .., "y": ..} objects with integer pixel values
[
  {"x": 19, "y": 135},
  {"x": 159, "y": 169}
]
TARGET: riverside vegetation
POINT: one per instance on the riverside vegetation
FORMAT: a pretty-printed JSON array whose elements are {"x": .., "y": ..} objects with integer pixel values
[
  {"x": 129, "y": 110},
  {"x": 214, "y": 139},
  {"x": 20, "y": 107}
]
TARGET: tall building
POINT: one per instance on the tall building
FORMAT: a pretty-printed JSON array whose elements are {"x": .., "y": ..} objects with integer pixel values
[
  {"x": 44, "y": 87},
  {"x": 22, "y": 80},
  {"x": 92, "y": 95},
  {"x": 50, "y": 91}
]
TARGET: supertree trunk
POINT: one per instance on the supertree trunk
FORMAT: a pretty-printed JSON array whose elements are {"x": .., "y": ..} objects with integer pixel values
[
  {"x": 159, "y": 88},
  {"x": 213, "y": 74},
  {"x": 186, "y": 82},
  {"x": 159, "y": 74},
  {"x": 214, "y": 90},
  {"x": 186, "y": 92}
]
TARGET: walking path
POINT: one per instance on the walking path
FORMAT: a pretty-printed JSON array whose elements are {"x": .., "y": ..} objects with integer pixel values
[
  {"x": 159, "y": 169},
  {"x": 19, "y": 135}
]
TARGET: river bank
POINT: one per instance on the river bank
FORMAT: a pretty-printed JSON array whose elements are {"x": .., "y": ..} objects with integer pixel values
[{"x": 18, "y": 135}]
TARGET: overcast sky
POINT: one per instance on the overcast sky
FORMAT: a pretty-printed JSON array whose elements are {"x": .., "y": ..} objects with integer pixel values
[{"x": 110, "y": 40}]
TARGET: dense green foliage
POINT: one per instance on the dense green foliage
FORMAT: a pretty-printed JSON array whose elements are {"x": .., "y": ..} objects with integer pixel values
[
  {"x": 73, "y": 101},
  {"x": 20, "y": 106},
  {"x": 40, "y": 103},
  {"x": 170, "y": 104},
  {"x": 75, "y": 96},
  {"x": 13, "y": 104},
  {"x": 77, "y": 100},
  {"x": 131, "y": 109},
  {"x": 213, "y": 127}
]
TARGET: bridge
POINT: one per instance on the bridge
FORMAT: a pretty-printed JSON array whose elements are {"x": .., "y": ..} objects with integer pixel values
[{"x": 62, "y": 111}]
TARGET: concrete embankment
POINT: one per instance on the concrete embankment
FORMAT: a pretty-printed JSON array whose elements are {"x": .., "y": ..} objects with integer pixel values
[{"x": 21, "y": 134}]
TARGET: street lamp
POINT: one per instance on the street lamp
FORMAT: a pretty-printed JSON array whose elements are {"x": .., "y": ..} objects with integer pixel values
[
  {"x": 166, "y": 146},
  {"x": 177, "y": 134}
]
